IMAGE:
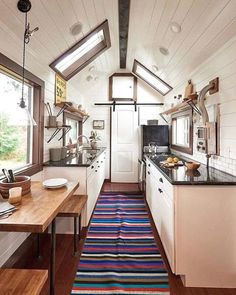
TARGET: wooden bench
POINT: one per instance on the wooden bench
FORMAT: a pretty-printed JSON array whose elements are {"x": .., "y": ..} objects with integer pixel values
[
  {"x": 22, "y": 281},
  {"x": 73, "y": 208}
]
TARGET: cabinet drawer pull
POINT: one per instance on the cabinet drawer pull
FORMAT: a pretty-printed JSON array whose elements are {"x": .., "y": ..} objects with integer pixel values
[
  {"x": 92, "y": 167},
  {"x": 161, "y": 180},
  {"x": 96, "y": 171},
  {"x": 97, "y": 161},
  {"x": 101, "y": 161},
  {"x": 160, "y": 190},
  {"x": 149, "y": 165},
  {"x": 98, "y": 166},
  {"x": 148, "y": 172}
]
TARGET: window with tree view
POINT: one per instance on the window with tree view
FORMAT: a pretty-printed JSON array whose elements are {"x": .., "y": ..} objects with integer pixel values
[{"x": 15, "y": 141}]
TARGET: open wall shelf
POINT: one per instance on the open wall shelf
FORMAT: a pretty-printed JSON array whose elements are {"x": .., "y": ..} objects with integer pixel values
[
  {"x": 189, "y": 102},
  {"x": 69, "y": 108},
  {"x": 65, "y": 129}
]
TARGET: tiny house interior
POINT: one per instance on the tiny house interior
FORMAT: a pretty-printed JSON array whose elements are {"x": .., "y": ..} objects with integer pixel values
[{"x": 117, "y": 147}]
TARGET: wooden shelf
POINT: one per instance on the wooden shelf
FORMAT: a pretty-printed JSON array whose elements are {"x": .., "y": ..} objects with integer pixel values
[
  {"x": 58, "y": 127},
  {"x": 176, "y": 108},
  {"x": 68, "y": 107},
  {"x": 180, "y": 106}
]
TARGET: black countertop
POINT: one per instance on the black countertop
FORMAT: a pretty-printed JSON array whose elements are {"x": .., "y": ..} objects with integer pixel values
[
  {"x": 82, "y": 159},
  {"x": 203, "y": 176}
]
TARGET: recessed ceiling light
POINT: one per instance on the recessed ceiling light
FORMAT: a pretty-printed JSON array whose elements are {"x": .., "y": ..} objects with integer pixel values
[
  {"x": 89, "y": 78},
  {"x": 175, "y": 27},
  {"x": 76, "y": 29},
  {"x": 155, "y": 68},
  {"x": 164, "y": 50},
  {"x": 92, "y": 68}
]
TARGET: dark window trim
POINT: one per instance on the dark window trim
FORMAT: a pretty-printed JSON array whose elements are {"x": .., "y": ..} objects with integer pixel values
[
  {"x": 96, "y": 51},
  {"x": 123, "y": 75},
  {"x": 136, "y": 63},
  {"x": 38, "y": 131},
  {"x": 187, "y": 150},
  {"x": 76, "y": 118}
]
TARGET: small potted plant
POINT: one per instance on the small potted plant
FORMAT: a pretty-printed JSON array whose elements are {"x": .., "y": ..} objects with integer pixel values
[{"x": 94, "y": 138}]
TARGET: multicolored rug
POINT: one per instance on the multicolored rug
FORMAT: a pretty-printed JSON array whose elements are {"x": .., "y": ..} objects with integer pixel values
[{"x": 120, "y": 255}]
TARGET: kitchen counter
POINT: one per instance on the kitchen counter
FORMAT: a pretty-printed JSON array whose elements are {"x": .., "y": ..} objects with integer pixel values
[
  {"x": 83, "y": 159},
  {"x": 181, "y": 176}
]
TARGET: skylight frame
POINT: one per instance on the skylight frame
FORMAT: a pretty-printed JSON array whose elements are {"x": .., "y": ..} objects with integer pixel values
[
  {"x": 88, "y": 57},
  {"x": 137, "y": 64}
]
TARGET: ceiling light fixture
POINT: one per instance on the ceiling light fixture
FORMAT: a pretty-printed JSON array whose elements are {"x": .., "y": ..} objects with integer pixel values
[
  {"x": 155, "y": 68},
  {"x": 76, "y": 29},
  {"x": 24, "y": 116},
  {"x": 175, "y": 27},
  {"x": 92, "y": 68},
  {"x": 163, "y": 50}
]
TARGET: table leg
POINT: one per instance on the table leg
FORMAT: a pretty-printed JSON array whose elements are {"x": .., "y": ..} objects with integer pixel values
[
  {"x": 53, "y": 256},
  {"x": 79, "y": 225},
  {"x": 75, "y": 236},
  {"x": 39, "y": 256}
]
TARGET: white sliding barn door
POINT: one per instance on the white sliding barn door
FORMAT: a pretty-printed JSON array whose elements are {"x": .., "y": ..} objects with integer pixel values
[{"x": 124, "y": 145}]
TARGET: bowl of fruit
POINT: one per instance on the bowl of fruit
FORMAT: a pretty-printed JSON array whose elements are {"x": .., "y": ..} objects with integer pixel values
[{"x": 172, "y": 162}]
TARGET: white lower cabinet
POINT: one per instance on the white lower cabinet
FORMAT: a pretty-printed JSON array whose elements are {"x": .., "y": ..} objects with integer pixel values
[
  {"x": 162, "y": 209},
  {"x": 196, "y": 227},
  {"x": 95, "y": 179}
]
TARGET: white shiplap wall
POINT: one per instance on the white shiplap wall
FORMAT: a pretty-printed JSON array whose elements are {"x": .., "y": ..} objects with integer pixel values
[{"x": 223, "y": 65}]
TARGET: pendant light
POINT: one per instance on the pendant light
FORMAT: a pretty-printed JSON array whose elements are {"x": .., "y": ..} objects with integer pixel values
[{"x": 24, "y": 117}]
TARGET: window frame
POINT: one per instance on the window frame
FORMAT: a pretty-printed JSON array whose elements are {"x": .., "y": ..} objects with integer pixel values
[
  {"x": 38, "y": 85},
  {"x": 134, "y": 98},
  {"x": 75, "y": 118},
  {"x": 183, "y": 113},
  {"x": 95, "y": 52},
  {"x": 134, "y": 70}
]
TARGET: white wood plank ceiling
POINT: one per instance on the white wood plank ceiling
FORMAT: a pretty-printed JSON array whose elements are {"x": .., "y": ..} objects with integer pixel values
[{"x": 206, "y": 25}]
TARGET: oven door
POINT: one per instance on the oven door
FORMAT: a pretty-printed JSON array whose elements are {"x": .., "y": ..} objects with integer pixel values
[{"x": 142, "y": 175}]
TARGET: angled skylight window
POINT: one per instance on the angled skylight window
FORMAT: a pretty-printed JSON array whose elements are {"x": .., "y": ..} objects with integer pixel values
[
  {"x": 150, "y": 78},
  {"x": 83, "y": 52}
]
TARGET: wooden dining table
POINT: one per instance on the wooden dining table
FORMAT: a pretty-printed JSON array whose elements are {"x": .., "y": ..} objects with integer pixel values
[{"x": 37, "y": 211}]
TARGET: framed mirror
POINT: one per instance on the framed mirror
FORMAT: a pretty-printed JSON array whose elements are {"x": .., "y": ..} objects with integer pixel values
[{"x": 182, "y": 131}]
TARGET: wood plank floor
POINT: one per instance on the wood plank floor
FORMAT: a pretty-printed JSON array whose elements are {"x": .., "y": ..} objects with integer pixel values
[
  {"x": 120, "y": 187},
  {"x": 66, "y": 263}
]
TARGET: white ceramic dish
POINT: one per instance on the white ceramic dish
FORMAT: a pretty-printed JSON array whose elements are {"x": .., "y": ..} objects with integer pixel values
[{"x": 55, "y": 182}]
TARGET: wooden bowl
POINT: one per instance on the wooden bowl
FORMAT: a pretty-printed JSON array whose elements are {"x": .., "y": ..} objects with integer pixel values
[
  {"x": 21, "y": 181},
  {"x": 192, "y": 165}
]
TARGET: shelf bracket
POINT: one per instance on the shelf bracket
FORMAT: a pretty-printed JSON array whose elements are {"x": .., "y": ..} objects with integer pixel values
[
  {"x": 64, "y": 132},
  {"x": 161, "y": 115},
  {"x": 193, "y": 106},
  {"x": 85, "y": 120},
  {"x": 65, "y": 106},
  {"x": 53, "y": 135}
]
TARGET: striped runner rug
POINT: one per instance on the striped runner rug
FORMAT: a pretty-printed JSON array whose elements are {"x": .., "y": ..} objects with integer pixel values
[{"x": 120, "y": 255}]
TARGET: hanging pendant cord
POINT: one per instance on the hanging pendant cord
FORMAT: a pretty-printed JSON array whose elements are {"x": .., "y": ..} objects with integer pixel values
[{"x": 22, "y": 102}]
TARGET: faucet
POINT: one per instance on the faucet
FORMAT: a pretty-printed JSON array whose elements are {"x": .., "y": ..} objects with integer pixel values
[{"x": 79, "y": 147}]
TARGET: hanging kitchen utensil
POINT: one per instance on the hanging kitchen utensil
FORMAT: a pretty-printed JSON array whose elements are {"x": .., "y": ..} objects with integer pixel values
[
  {"x": 11, "y": 174},
  {"x": 50, "y": 109},
  {"x": 5, "y": 172}
]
